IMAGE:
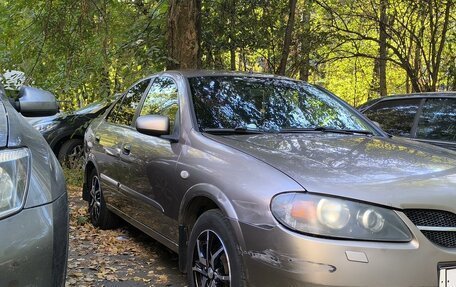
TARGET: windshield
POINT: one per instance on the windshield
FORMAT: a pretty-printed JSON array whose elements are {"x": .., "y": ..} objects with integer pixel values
[{"x": 268, "y": 105}]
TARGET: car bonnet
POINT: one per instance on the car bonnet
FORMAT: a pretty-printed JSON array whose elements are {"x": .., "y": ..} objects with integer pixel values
[{"x": 394, "y": 172}]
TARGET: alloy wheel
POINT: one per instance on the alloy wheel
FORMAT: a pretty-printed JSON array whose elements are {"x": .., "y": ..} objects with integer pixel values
[
  {"x": 211, "y": 264},
  {"x": 95, "y": 199},
  {"x": 73, "y": 158}
]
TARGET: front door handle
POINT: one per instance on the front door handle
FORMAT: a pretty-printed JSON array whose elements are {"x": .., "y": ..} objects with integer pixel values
[
  {"x": 112, "y": 151},
  {"x": 126, "y": 149}
]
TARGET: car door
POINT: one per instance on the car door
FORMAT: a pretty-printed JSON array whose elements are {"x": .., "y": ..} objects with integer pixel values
[
  {"x": 437, "y": 122},
  {"x": 151, "y": 162},
  {"x": 397, "y": 116},
  {"x": 110, "y": 136}
]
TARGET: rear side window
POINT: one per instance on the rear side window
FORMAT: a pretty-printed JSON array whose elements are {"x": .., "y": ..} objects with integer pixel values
[
  {"x": 124, "y": 111},
  {"x": 438, "y": 120},
  {"x": 395, "y": 117},
  {"x": 162, "y": 99}
]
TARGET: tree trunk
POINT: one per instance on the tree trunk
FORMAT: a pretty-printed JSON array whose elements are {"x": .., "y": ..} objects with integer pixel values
[
  {"x": 374, "y": 89},
  {"x": 184, "y": 34},
  {"x": 407, "y": 84},
  {"x": 382, "y": 49},
  {"x": 287, "y": 38},
  {"x": 305, "y": 45},
  {"x": 231, "y": 35},
  {"x": 437, "y": 55}
]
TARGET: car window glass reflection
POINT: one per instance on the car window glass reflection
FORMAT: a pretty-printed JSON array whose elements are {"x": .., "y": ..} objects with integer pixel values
[
  {"x": 267, "y": 104},
  {"x": 438, "y": 120},
  {"x": 162, "y": 99},
  {"x": 124, "y": 111},
  {"x": 395, "y": 117}
]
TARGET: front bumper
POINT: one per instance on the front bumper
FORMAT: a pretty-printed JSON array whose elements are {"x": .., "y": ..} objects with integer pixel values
[
  {"x": 34, "y": 246},
  {"x": 279, "y": 257}
]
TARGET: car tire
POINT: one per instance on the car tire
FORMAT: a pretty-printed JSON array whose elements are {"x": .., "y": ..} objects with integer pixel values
[
  {"x": 100, "y": 215},
  {"x": 225, "y": 261},
  {"x": 71, "y": 152}
]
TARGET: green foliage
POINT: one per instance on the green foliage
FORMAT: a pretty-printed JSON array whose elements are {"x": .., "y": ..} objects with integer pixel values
[
  {"x": 89, "y": 49},
  {"x": 73, "y": 176},
  {"x": 82, "y": 50}
]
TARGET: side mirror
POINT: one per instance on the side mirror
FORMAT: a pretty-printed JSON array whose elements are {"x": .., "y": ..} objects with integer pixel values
[
  {"x": 34, "y": 102},
  {"x": 154, "y": 125}
]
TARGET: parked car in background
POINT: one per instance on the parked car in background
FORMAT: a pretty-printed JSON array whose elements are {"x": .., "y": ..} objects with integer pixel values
[
  {"x": 33, "y": 198},
  {"x": 425, "y": 117},
  {"x": 65, "y": 132},
  {"x": 267, "y": 181}
]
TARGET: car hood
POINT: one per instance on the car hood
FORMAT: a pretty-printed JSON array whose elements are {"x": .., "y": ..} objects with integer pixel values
[
  {"x": 3, "y": 125},
  {"x": 73, "y": 120},
  {"x": 40, "y": 120},
  {"x": 388, "y": 171}
]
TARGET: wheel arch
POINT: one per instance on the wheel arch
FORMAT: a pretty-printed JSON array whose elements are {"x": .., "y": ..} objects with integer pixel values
[
  {"x": 197, "y": 200},
  {"x": 57, "y": 145},
  {"x": 89, "y": 167}
]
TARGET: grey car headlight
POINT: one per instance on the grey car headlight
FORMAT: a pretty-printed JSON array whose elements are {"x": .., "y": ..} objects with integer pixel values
[
  {"x": 338, "y": 218},
  {"x": 42, "y": 128},
  {"x": 14, "y": 169}
]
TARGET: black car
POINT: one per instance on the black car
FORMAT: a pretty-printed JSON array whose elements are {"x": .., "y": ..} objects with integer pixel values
[
  {"x": 426, "y": 117},
  {"x": 65, "y": 132}
]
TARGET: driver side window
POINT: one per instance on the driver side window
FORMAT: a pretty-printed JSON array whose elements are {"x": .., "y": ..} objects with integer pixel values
[{"x": 162, "y": 99}]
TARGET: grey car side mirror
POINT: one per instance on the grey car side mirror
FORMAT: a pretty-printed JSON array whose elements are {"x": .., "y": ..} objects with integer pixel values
[
  {"x": 34, "y": 102},
  {"x": 154, "y": 125}
]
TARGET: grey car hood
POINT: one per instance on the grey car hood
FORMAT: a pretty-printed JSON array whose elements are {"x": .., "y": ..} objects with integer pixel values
[
  {"x": 3, "y": 125},
  {"x": 388, "y": 171}
]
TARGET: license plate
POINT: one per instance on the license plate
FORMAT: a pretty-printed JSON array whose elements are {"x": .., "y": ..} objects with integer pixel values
[{"x": 447, "y": 277}]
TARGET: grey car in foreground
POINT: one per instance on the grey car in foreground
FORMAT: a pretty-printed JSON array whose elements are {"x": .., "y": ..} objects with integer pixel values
[
  {"x": 258, "y": 180},
  {"x": 33, "y": 198}
]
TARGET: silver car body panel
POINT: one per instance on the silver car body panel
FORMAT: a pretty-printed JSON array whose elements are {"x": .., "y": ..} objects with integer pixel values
[
  {"x": 46, "y": 172},
  {"x": 34, "y": 241},
  {"x": 3, "y": 125},
  {"x": 240, "y": 174},
  {"x": 394, "y": 172}
]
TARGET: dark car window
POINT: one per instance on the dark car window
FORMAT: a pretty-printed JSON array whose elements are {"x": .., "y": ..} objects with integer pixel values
[
  {"x": 267, "y": 104},
  {"x": 438, "y": 120},
  {"x": 124, "y": 111},
  {"x": 395, "y": 117},
  {"x": 162, "y": 99}
]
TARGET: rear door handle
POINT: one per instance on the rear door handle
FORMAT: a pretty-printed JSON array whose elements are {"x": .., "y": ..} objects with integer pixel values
[{"x": 126, "y": 149}]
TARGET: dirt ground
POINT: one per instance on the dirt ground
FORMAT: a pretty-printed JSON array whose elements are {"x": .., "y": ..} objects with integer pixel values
[{"x": 121, "y": 257}]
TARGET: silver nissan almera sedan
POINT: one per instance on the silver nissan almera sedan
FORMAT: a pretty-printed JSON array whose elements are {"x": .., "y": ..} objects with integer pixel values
[{"x": 258, "y": 180}]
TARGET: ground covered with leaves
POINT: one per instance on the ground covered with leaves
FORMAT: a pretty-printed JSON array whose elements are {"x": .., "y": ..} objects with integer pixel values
[{"x": 120, "y": 257}]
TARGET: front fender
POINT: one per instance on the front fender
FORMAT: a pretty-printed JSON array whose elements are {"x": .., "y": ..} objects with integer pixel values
[{"x": 215, "y": 194}]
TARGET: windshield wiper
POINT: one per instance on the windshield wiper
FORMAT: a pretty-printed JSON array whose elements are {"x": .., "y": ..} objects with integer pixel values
[
  {"x": 325, "y": 130},
  {"x": 236, "y": 130}
]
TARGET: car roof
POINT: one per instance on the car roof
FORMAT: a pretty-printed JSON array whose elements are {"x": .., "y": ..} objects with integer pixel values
[
  {"x": 208, "y": 73},
  {"x": 445, "y": 94},
  {"x": 423, "y": 95}
]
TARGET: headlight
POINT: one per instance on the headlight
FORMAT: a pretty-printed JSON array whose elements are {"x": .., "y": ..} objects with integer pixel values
[
  {"x": 42, "y": 128},
  {"x": 14, "y": 169},
  {"x": 339, "y": 218}
]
